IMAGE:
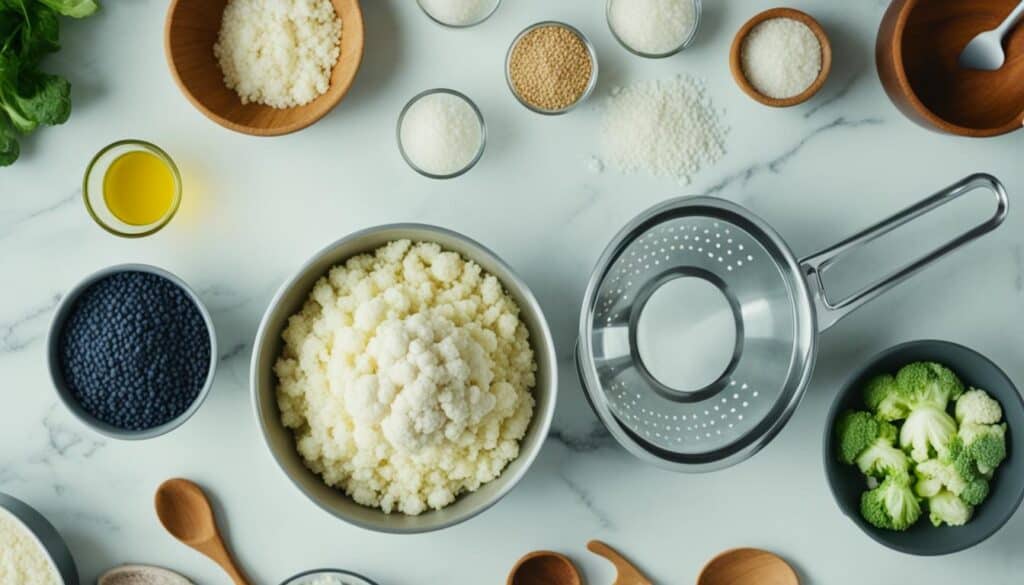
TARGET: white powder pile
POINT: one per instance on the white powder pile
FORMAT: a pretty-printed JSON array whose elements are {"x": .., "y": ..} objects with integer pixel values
[
  {"x": 22, "y": 560},
  {"x": 781, "y": 57},
  {"x": 279, "y": 53},
  {"x": 441, "y": 134},
  {"x": 654, "y": 27},
  {"x": 459, "y": 12},
  {"x": 668, "y": 128}
]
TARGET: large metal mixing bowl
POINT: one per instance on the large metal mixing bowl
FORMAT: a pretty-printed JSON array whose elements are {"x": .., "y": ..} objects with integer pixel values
[{"x": 290, "y": 298}]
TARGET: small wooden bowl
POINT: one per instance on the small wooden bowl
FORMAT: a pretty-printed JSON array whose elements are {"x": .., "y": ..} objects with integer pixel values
[
  {"x": 736, "y": 54},
  {"x": 190, "y": 32},
  {"x": 918, "y": 45}
]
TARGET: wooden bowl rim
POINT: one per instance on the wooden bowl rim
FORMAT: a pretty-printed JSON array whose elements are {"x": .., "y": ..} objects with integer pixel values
[
  {"x": 332, "y": 100},
  {"x": 543, "y": 553},
  {"x": 896, "y": 50},
  {"x": 707, "y": 565},
  {"x": 736, "y": 65}
]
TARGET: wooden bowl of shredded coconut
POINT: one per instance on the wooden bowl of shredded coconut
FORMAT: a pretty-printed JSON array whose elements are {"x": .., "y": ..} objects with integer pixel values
[{"x": 264, "y": 67}]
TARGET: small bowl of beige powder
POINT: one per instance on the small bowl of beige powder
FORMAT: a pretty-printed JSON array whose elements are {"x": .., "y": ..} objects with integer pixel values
[{"x": 551, "y": 67}]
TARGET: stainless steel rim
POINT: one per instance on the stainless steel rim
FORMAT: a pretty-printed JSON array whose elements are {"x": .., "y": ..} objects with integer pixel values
[
  {"x": 497, "y": 4},
  {"x": 545, "y": 344},
  {"x": 806, "y": 342},
  {"x": 698, "y": 8},
  {"x": 479, "y": 116},
  {"x": 593, "y": 73},
  {"x": 53, "y": 359}
]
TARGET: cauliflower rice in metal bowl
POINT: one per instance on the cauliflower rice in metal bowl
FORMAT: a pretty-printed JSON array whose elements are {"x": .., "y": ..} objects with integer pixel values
[{"x": 410, "y": 374}]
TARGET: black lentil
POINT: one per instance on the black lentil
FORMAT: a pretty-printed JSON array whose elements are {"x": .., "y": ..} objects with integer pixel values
[{"x": 134, "y": 350}]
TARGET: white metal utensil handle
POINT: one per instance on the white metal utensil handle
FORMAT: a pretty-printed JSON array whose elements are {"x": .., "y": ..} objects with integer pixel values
[{"x": 829, "y": 311}]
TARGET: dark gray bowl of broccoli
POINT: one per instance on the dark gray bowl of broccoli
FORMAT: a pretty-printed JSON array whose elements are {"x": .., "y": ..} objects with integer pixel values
[{"x": 936, "y": 465}]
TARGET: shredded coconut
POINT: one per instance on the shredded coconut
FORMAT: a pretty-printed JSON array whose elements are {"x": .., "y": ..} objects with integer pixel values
[
  {"x": 441, "y": 134},
  {"x": 781, "y": 58},
  {"x": 22, "y": 560},
  {"x": 458, "y": 12},
  {"x": 668, "y": 128},
  {"x": 654, "y": 27},
  {"x": 279, "y": 53}
]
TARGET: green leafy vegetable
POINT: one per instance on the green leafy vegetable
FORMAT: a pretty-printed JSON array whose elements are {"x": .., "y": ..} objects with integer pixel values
[
  {"x": 73, "y": 8},
  {"x": 29, "y": 98}
]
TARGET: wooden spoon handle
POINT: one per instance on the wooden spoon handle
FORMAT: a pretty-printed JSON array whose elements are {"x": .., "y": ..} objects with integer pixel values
[
  {"x": 218, "y": 552},
  {"x": 628, "y": 574}
]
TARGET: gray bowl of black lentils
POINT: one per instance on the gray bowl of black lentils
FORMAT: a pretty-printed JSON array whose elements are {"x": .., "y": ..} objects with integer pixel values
[{"x": 132, "y": 351}]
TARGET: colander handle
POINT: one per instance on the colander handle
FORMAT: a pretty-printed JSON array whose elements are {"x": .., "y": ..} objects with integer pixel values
[{"x": 831, "y": 311}]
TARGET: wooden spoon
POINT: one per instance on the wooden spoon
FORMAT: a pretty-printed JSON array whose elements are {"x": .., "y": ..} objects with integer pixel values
[
  {"x": 627, "y": 573},
  {"x": 544, "y": 568},
  {"x": 747, "y": 566},
  {"x": 186, "y": 513}
]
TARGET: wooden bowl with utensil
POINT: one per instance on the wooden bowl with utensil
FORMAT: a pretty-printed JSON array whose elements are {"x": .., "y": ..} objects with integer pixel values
[
  {"x": 919, "y": 44},
  {"x": 190, "y": 33},
  {"x": 736, "y": 57}
]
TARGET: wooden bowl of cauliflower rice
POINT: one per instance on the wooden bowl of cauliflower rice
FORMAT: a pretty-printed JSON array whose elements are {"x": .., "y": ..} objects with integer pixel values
[
  {"x": 264, "y": 67},
  {"x": 404, "y": 378}
]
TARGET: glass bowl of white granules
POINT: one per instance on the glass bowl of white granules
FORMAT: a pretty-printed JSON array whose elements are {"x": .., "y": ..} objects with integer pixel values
[
  {"x": 327, "y": 577},
  {"x": 459, "y": 13},
  {"x": 441, "y": 133},
  {"x": 654, "y": 29}
]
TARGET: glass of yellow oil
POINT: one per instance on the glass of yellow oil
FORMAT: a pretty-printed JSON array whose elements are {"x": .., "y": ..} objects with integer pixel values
[{"x": 132, "y": 188}]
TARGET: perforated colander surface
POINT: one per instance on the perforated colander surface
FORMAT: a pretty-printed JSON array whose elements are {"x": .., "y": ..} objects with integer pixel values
[{"x": 698, "y": 331}]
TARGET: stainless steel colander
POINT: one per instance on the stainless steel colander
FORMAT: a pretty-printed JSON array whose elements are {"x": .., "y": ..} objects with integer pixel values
[{"x": 699, "y": 327}]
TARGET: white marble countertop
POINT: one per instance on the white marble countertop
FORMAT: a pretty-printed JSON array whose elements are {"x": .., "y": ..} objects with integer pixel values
[{"x": 256, "y": 208}]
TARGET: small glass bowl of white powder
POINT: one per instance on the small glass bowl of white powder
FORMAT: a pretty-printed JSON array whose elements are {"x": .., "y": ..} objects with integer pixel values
[
  {"x": 654, "y": 29},
  {"x": 441, "y": 133},
  {"x": 327, "y": 577},
  {"x": 459, "y": 13}
]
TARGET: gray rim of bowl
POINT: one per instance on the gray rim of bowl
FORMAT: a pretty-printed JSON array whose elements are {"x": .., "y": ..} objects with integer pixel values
[
  {"x": 53, "y": 359},
  {"x": 497, "y": 4},
  {"x": 37, "y": 538},
  {"x": 479, "y": 116},
  {"x": 698, "y": 8},
  {"x": 316, "y": 572},
  {"x": 533, "y": 305},
  {"x": 833, "y": 414},
  {"x": 593, "y": 72}
]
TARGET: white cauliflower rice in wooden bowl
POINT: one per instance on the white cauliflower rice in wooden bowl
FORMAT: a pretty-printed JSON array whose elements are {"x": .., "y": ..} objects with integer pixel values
[{"x": 404, "y": 379}]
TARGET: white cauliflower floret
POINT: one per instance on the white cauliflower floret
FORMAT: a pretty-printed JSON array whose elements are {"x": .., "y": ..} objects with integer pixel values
[
  {"x": 977, "y": 406},
  {"x": 406, "y": 378}
]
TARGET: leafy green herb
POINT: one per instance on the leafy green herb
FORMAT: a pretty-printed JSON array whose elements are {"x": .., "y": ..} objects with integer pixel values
[{"x": 29, "y": 98}]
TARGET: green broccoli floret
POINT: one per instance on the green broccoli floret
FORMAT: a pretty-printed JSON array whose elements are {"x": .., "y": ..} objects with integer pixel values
[
  {"x": 927, "y": 431},
  {"x": 884, "y": 398},
  {"x": 892, "y": 505},
  {"x": 977, "y": 406},
  {"x": 964, "y": 482},
  {"x": 855, "y": 432},
  {"x": 933, "y": 475},
  {"x": 928, "y": 383},
  {"x": 883, "y": 458},
  {"x": 946, "y": 508},
  {"x": 985, "y": 445},
  {"x": 976, "y": 492}
]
